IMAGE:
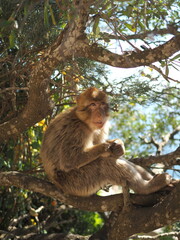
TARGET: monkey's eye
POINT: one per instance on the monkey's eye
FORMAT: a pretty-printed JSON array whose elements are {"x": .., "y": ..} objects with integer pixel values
[
  {"x": 92, "y": 105},
  {"x": 103, "y": 103}
]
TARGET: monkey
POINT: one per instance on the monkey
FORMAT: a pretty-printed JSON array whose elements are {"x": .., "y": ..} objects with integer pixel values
[{"x": 79, "y": 158}]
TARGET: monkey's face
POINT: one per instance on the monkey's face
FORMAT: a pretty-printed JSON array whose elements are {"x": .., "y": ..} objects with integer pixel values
[
  {"x": 92, "y": 108},
  {"x": 98, "y": 112},
  {"x": 95, "y": 114}
]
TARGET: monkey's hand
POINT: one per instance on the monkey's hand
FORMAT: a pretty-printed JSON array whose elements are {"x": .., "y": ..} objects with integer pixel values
[
  {"x": 117, "y": 147},
  {"x": 106, "y": 149}
]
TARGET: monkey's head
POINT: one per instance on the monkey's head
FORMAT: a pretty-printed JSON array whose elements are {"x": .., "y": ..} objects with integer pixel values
[{"x": 93, "y": 108}]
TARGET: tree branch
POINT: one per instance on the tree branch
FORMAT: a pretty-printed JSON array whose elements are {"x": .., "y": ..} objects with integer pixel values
[
  {"x": 169, "y": 159},
  {"x": 52, "y": 236},
  {"x": 169, "y": 30},
  {"x": 134, "y": 59},
  {"x": 158, "y": 236},
  {"x": 165, "y": 139},
  {"x": 149, "y": 219},
  {"x": 39, "y": 104},
  {"x": 166, "y": 77},
  {"x": 92, "y": 203}
]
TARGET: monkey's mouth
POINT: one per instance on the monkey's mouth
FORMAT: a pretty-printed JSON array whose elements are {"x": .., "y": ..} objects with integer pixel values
[{"x": 99, "y": 124}]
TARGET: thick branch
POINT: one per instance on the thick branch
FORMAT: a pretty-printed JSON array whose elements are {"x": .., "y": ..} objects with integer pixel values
[
  {"x": 134, "y": 59},
  {"x": 93, "y": 203},
  {"x": 39, "y": 104},
  {"x": 165, "y": 212},
  {"x": 37, "y": 108}
]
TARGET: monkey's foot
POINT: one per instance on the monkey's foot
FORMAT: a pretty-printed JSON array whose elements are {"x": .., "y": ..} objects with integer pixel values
[
  {"x": 163, "y": 179},
  {"x": 171, "y": 185}
]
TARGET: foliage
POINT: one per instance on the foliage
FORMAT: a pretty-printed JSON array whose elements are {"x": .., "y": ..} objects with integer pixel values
[
  {"x": 136, "y": 125},
  {"x": 84, "y": 223},
  {"x": 147, "y": 104}
]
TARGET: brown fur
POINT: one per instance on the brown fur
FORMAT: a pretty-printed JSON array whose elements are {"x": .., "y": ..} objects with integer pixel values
[{"x": 80, "y": 160}]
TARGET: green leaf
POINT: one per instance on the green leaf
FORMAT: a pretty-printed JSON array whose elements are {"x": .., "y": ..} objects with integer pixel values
[
  {"x": 175, "y": 57},
  {"x": 141, "y": 25},
  {"x": 46, "y": 17},
  {"x": 12, "y": 40},
  {"x": 63, "y": 25},
  {"x": 167, "y": 70},
  {"x": 52, "y": 15},
  {"x": 35, "y": 145},
  {"x": 130, "y": 27},
  {"x": 26, "y": 9},
  {"x": 96, "y": 29}
]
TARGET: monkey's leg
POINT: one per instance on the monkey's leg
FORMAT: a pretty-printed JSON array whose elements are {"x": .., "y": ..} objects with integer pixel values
[
  {"x": 158, "y": 182},
  {"x": 145, "y": 174},
  {"x": 84, "y": 181},
  {"x": 119, "y": 170}
]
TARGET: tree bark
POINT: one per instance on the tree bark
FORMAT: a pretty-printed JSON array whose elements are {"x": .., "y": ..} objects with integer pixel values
[{"x": 148, "y": 212}]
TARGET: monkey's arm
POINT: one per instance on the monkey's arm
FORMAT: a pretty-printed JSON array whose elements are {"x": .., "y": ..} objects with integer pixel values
[{"x": 80, "y": 158}]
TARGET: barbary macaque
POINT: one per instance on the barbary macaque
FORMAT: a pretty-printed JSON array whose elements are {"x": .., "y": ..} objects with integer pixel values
[{"x": 78, "y": 157}]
